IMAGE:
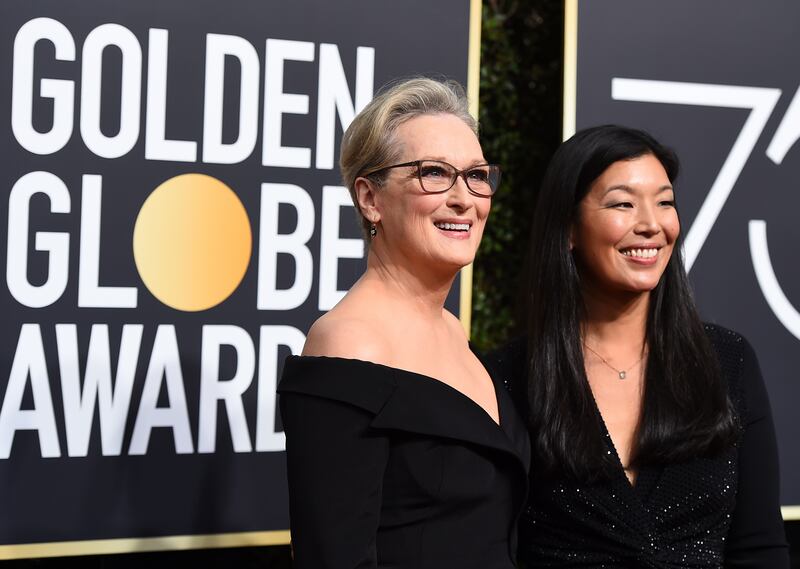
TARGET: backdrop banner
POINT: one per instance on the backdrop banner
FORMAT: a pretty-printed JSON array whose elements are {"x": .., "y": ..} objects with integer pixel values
[
  {"x": 718, "y": 81},
  {"x": 173, "y": 221}
]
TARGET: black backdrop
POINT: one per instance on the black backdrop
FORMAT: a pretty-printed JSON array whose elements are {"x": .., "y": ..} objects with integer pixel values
[
  {"x": 718, "y": 81},
  {"x": 83, "y": 146}
]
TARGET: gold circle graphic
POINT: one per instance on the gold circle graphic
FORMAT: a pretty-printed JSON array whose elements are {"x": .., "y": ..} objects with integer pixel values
[{"x": 192, "y": 242}]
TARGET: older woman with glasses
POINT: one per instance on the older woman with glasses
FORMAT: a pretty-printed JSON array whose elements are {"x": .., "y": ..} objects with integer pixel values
[{"x": 403, "y": 451}]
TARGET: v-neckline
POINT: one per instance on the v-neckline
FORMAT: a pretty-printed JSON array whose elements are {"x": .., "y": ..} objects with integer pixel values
[
  {"x": 499, "y": 424},
  {"x": 409, "y": 401},
  {"x": 609, "y": 442},
  {"x": 646, "y": 476},
  {"x": 459, "y": 393}
]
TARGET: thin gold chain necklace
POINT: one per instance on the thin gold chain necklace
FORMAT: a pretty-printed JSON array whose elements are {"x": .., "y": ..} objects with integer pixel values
[{"x": 622, "y": 373}]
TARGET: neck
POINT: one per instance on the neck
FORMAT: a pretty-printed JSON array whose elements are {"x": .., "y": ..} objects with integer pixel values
[
  {"x": 421, "y": 289},
  {"x": 614, "y": 318}
]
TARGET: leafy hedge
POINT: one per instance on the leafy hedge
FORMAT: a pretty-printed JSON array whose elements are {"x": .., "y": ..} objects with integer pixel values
[{"x": 520, "y": 117}]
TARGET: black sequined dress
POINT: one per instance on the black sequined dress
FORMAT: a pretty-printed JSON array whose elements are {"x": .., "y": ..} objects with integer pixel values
[{"x": 705, "y": 513}]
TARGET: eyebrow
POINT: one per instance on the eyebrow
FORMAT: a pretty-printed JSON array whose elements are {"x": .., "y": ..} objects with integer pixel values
[
  {"x": 629, "y": 190},
  {"x": 472, "y": 164}
]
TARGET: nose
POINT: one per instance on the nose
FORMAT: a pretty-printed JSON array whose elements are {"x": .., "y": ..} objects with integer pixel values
[
  {"x": 647, "y": 221},
  {"x": 458, "y": 197}
]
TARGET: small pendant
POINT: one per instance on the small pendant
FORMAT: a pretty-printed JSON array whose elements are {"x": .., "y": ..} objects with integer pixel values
[{"x": 622, "y": 374}]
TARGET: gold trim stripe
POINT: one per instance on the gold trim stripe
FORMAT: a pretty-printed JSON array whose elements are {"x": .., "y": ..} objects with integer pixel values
[
  {"x": 474, "y": 56},
  {"x": 139, "y": 545},
  {"x": 790, "y": 512},
  {"x": 570, "y": 68},
  {"x": 465, "y": 299},
  {"x": 473, "y": 91}
]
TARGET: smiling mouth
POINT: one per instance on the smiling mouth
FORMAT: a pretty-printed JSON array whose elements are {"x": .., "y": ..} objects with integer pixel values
[
  {"x": 646, "y": 253},
  {"x": 457, "y": 227}
]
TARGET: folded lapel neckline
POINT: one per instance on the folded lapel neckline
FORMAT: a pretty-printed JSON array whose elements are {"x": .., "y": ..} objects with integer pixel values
[{"x": 403, "y": 407}]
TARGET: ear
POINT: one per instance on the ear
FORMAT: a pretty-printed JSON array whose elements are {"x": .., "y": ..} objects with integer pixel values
[{"x": 367, "y": 194}]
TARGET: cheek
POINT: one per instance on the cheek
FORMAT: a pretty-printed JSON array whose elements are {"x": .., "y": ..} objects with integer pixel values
[
  {"x": 616, "y": 228},
  {"x": 482, "y": 208},
  {"x": 386, "y": 203},
  {"x": 673, "y": 229},
  {"x": 603, "y": 233},
  {"x": 407, "y": 214},
  {"x": 481, "y": 215},
  {"x": 478, "y": 229},
  {"x": 425, "y": 205}
]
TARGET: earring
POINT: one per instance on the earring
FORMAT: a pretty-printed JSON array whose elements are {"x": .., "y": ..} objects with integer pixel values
[{"x": 373, "y": 230}]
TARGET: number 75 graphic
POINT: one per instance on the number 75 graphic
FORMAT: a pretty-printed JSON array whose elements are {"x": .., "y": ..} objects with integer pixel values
[{"x": 761, "y": 101}]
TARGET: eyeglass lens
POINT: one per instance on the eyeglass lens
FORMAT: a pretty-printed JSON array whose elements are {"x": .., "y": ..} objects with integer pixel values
[{"x": 438, "y": 176}]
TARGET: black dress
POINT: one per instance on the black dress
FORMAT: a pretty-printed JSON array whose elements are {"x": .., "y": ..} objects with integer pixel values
[
  {"x": 393, "y": 469},
  {"x": 705, "y": 513}
]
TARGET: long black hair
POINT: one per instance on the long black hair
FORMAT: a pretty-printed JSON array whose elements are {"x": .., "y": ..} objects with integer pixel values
[{"x": 686, "y": 410}]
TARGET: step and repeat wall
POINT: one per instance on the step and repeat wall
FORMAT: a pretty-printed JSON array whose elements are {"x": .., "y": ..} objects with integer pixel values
[
  {"x": 717, "y": 81},
  {"x": 172, "y": 223}
]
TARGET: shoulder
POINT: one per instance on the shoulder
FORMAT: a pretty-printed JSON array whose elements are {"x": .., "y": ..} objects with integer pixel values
[
  {"x": 733, "y": 350},
  {"x": 511, "y": 365},
  {"x": 723, "y": 338},
  {"x": 354, "y": 382},
  {"x": 346, "y": 336},
  {"x": 337, "y": 364},
  {"x": 740, "y": 369},
  {"x": 510, "y": 358}
]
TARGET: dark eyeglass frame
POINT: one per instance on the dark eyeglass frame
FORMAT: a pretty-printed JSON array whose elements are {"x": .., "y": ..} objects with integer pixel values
[{"x": 456, "y": 175}]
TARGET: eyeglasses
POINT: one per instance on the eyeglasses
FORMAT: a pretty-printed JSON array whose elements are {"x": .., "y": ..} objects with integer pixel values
[{"x": 436, "y": 177}]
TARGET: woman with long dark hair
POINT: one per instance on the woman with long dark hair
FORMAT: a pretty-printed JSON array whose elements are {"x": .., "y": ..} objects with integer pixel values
[{"x": 653, "y": 444}]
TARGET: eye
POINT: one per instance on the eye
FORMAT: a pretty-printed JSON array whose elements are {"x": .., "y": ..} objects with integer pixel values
[
  {"x": 621, "y": 205},
  {"x": 667, "y": 203},
  {"x": 433, "y": 171},
  {"x": 478, "y": 174}
]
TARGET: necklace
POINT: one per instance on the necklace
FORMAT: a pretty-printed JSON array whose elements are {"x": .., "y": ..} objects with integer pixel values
[{"x": 622, "y": 373}]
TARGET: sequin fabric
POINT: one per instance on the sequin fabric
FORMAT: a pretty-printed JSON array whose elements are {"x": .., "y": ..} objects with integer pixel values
[{"x": 674, "y": 516}]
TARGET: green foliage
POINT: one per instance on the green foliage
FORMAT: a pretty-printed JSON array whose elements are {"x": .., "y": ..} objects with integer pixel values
[{"x": 520, "y": 117}]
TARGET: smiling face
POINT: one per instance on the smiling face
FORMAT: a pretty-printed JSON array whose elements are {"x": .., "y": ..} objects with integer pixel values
[
  {"x": 443, "y": 229},
  {"x": 626, "y": 228}
]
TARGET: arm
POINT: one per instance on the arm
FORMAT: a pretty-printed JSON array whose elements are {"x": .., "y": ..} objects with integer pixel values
[
  {"x": 335, "y": 469},
  {"x": 510, "y": 363},
  {"x": 757, "y": 538}
]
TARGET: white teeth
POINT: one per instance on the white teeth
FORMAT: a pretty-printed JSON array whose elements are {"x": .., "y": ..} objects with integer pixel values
[
  {"x": 453, "y": 226},
  {"x": 641, "y": 253}
]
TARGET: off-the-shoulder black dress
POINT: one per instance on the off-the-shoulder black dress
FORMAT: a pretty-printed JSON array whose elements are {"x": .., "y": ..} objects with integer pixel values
[
  {"x": 393, "y": 469},
  {"x": 705, "y": 513}
]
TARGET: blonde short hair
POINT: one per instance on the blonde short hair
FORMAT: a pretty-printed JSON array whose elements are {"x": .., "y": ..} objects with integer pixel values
[{"x": 369, "y": 142}]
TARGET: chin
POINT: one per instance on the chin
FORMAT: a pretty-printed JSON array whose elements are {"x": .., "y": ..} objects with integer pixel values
[
  {"x": 459, "y": 264},
  {"x": 462, "y": 254},
  {"x": 455, "y": 262},
  {"x": 641, "y": 288}
]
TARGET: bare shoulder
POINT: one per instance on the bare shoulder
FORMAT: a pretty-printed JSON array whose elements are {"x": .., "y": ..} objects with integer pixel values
[{"x": 347, "y": 336}]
